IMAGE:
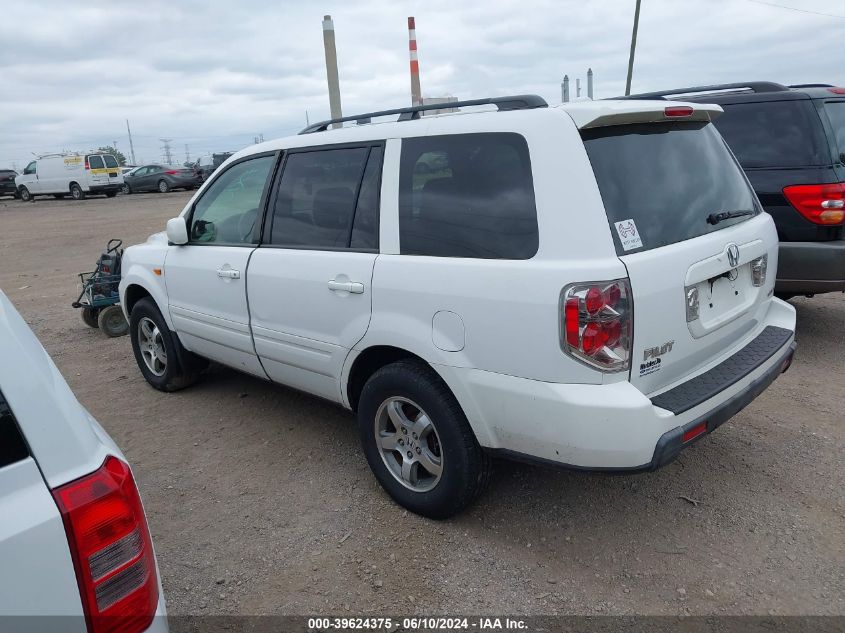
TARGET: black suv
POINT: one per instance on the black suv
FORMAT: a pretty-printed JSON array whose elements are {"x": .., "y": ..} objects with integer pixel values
[
  {"x": 7, "y": 183},
  {"x": 791, "y": 142}
]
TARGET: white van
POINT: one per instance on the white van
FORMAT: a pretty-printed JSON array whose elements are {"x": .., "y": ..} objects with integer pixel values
[{"x": 75, "y": 174}]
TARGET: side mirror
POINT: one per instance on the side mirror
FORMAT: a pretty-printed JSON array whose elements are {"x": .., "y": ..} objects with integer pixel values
[{"x": 177, "y": 231}]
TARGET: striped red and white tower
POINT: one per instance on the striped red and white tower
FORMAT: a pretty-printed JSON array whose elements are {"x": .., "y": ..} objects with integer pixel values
[{"x": 416, "y": 92}]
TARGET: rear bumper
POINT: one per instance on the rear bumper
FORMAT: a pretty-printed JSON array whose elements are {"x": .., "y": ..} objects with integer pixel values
[
  {"x": 811, "y": 267},
  {"x": 177, "y": 183},
  {"x": 105, "y": 188},
  {"x": 615, "y": 427}
]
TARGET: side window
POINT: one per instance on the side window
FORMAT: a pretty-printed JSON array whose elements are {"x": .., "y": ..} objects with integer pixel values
[
  {"x": 228, "y": 210},
  {"x": 467, "y": 195},
  {"x": 773, "y": 134},
  {"x": 365, "y": 224},
  {"x": 316, "y": 200},
  {"x": 95, "y": 162},
  {"x": 30, "y": 169}
]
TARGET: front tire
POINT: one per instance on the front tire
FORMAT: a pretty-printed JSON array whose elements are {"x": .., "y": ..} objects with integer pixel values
[
  {"x": 418, "y": 442},
  {"x": 163, "y": 186},
  {"x": 76, "y": 192},
  {"x": 111, "y": 194},
  {"x": 126, "y": 189},
  {"x": 25, "y": 195},
  {"x": 112, "y": 322},
  {"x": 158, "y": 352}
]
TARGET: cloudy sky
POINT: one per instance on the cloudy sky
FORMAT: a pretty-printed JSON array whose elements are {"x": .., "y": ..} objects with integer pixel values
[{"x": 213, "y": 75}]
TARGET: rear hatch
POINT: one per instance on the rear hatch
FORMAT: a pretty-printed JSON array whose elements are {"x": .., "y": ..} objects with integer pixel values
[{"x": 689, "y": 229}]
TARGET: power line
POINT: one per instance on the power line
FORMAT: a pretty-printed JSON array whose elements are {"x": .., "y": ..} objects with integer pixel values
[{"x": 783, "y": 6}]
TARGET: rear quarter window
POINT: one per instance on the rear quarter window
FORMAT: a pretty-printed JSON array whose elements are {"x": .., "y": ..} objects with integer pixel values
[
  {"x": 12, "y": 446},
  {"x": 774, "y": 134},
  {"x": 836, "y": 113},
  {"x": 467, "y": 195}
]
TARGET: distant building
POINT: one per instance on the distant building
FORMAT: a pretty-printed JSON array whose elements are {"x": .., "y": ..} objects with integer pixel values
[{"x": 434, "y": 100}]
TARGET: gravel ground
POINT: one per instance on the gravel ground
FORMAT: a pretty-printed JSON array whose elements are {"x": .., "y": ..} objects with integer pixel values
[{"x": 260, "y": 501}]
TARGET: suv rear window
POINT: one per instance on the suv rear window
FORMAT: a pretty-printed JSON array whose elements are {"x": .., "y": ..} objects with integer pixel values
[
  {"x": 95, "y": 162},
  {"x": 664, "y": 180},
  {"x": 12, "y": 446},
  {"x": 836, "y": 113},
  {"x": 467, "y": 195},
  {"x": 774, "y": 134}
]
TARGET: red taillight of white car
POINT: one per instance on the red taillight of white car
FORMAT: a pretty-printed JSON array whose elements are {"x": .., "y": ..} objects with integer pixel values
[
  {"x": 596, "y": 323},
  {"x": 111, "y": 549}
]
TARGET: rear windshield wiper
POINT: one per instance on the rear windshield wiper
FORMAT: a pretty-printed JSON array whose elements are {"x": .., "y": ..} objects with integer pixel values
[{"x": 715, "y": 218}]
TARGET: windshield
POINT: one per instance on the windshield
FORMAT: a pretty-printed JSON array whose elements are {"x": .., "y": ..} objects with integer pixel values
[
  {"x": 836, "y": 114},
  {"x": 660, "y": 182}
]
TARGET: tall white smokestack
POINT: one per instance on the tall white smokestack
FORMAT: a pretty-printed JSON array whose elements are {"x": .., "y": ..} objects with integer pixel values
[
  {"x": 331, "y": 68},
  {"x": 416, "y": 92}
]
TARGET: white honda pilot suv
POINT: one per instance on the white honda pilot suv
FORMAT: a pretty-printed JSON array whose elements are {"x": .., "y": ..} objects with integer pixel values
[{"x": 587, "y": 285}]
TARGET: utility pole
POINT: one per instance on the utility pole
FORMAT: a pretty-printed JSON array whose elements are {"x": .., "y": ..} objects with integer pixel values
[
  {"x": 187, "y": 154},
  {"x": 578, "y": 87},
  {"x": 131, "y": 147},
  {"x": 589, "y": 83},
  {"x": 564, "y": 89},
  {"x": 633, "y": 48},
  {"x": 168, "y": 157}
]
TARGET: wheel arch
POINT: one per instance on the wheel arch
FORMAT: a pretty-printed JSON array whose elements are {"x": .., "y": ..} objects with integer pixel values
[
  {"x": 139, "y": 283},
  {"x": 362, "y": 364}
]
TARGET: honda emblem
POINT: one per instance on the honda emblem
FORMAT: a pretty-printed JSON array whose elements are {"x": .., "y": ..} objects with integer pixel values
[{"x": 733, "y": 254}]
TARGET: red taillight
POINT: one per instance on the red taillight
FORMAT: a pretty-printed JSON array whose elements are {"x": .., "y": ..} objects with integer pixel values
[
  {"x": 694, "y": 432},
  {"x": 173, "y": 172},
  {"x": 87, "y": 166},
  {"x": 596, "y": 325},
  {"x": 820, "y": 204},
  {"x": 111, "y": 549},
  {"x": 677, "y": 111},
  {"x": 837, "y": 91}
]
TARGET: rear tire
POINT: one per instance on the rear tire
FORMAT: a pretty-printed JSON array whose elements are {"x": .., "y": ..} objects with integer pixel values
[
  {"x": 163, "y": 186},
  {"x": 76, "y": 192},
  {"x": 437, "y": 472},
  {"x": 112, "y": 322},
  {"x": 25, "y": 195},
  {"x": 158, "y": 352},
  {"x": 89, "y": 317}
]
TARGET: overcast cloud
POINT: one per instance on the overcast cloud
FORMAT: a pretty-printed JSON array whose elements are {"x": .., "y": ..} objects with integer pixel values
[{"x": 214, "y": 75}]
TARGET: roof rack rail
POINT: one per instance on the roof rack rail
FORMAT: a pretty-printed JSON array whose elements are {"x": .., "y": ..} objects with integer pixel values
[
  {"x": 513, "y": 102},
  {"x": 811, "y": 85},
  {"x": 753, "y": 86}
]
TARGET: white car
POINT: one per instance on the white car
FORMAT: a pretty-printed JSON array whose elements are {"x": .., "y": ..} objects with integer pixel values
[
  {"x": 75, "y": 551},
  {"x": 76, "y": 175},
  {"x": 588, "y": 286}
]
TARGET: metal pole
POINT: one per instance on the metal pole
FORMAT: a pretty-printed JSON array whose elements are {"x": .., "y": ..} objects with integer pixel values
[
  {"x": 331, "y": 68},
  {"x": 578, "y": 87},
  {"x": 589, "y": 83},
  {"x": 565, "y": 88},
  {"x": 633, "y": 48},
  {"x": 131, "y": 147}
]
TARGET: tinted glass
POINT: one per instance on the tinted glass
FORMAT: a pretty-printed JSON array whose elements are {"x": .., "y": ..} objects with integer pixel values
[
  {"x": 365, "y": 225},
  {"x": 467, "y": 195},
  {"x": 227, "y": 211},
  {"x": 664, "y": 180},
  {"x": 836, "y": 114},
  {"x": 316, "y": 198},
  {"x": 774, "y": 134},
  {"x": 12, "y": 446},
  {"x": 110, "y": 161},
  {"x": 95, "y": 162},
  {"x": 30, "y": 169}
]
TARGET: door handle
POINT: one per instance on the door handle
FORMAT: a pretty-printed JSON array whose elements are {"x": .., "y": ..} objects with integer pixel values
[
  {"x": 351, "y": 287},
  {"x": 228, "y": 273}
]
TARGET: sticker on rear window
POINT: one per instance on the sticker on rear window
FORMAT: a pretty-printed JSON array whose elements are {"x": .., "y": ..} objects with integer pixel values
[{"x": 629, "y": 236}]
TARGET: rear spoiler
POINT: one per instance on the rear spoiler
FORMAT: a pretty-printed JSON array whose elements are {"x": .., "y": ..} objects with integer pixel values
[{"x": 590, "y": 114}]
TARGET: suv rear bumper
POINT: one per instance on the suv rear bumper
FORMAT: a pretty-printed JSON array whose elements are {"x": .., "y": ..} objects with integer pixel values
[
  {"x": 811, "y": 267},
  {"x": 615, "y": 427}
]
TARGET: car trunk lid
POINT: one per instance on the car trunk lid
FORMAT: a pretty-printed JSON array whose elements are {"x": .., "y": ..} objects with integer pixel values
[{"x": 692, "y": 235}]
